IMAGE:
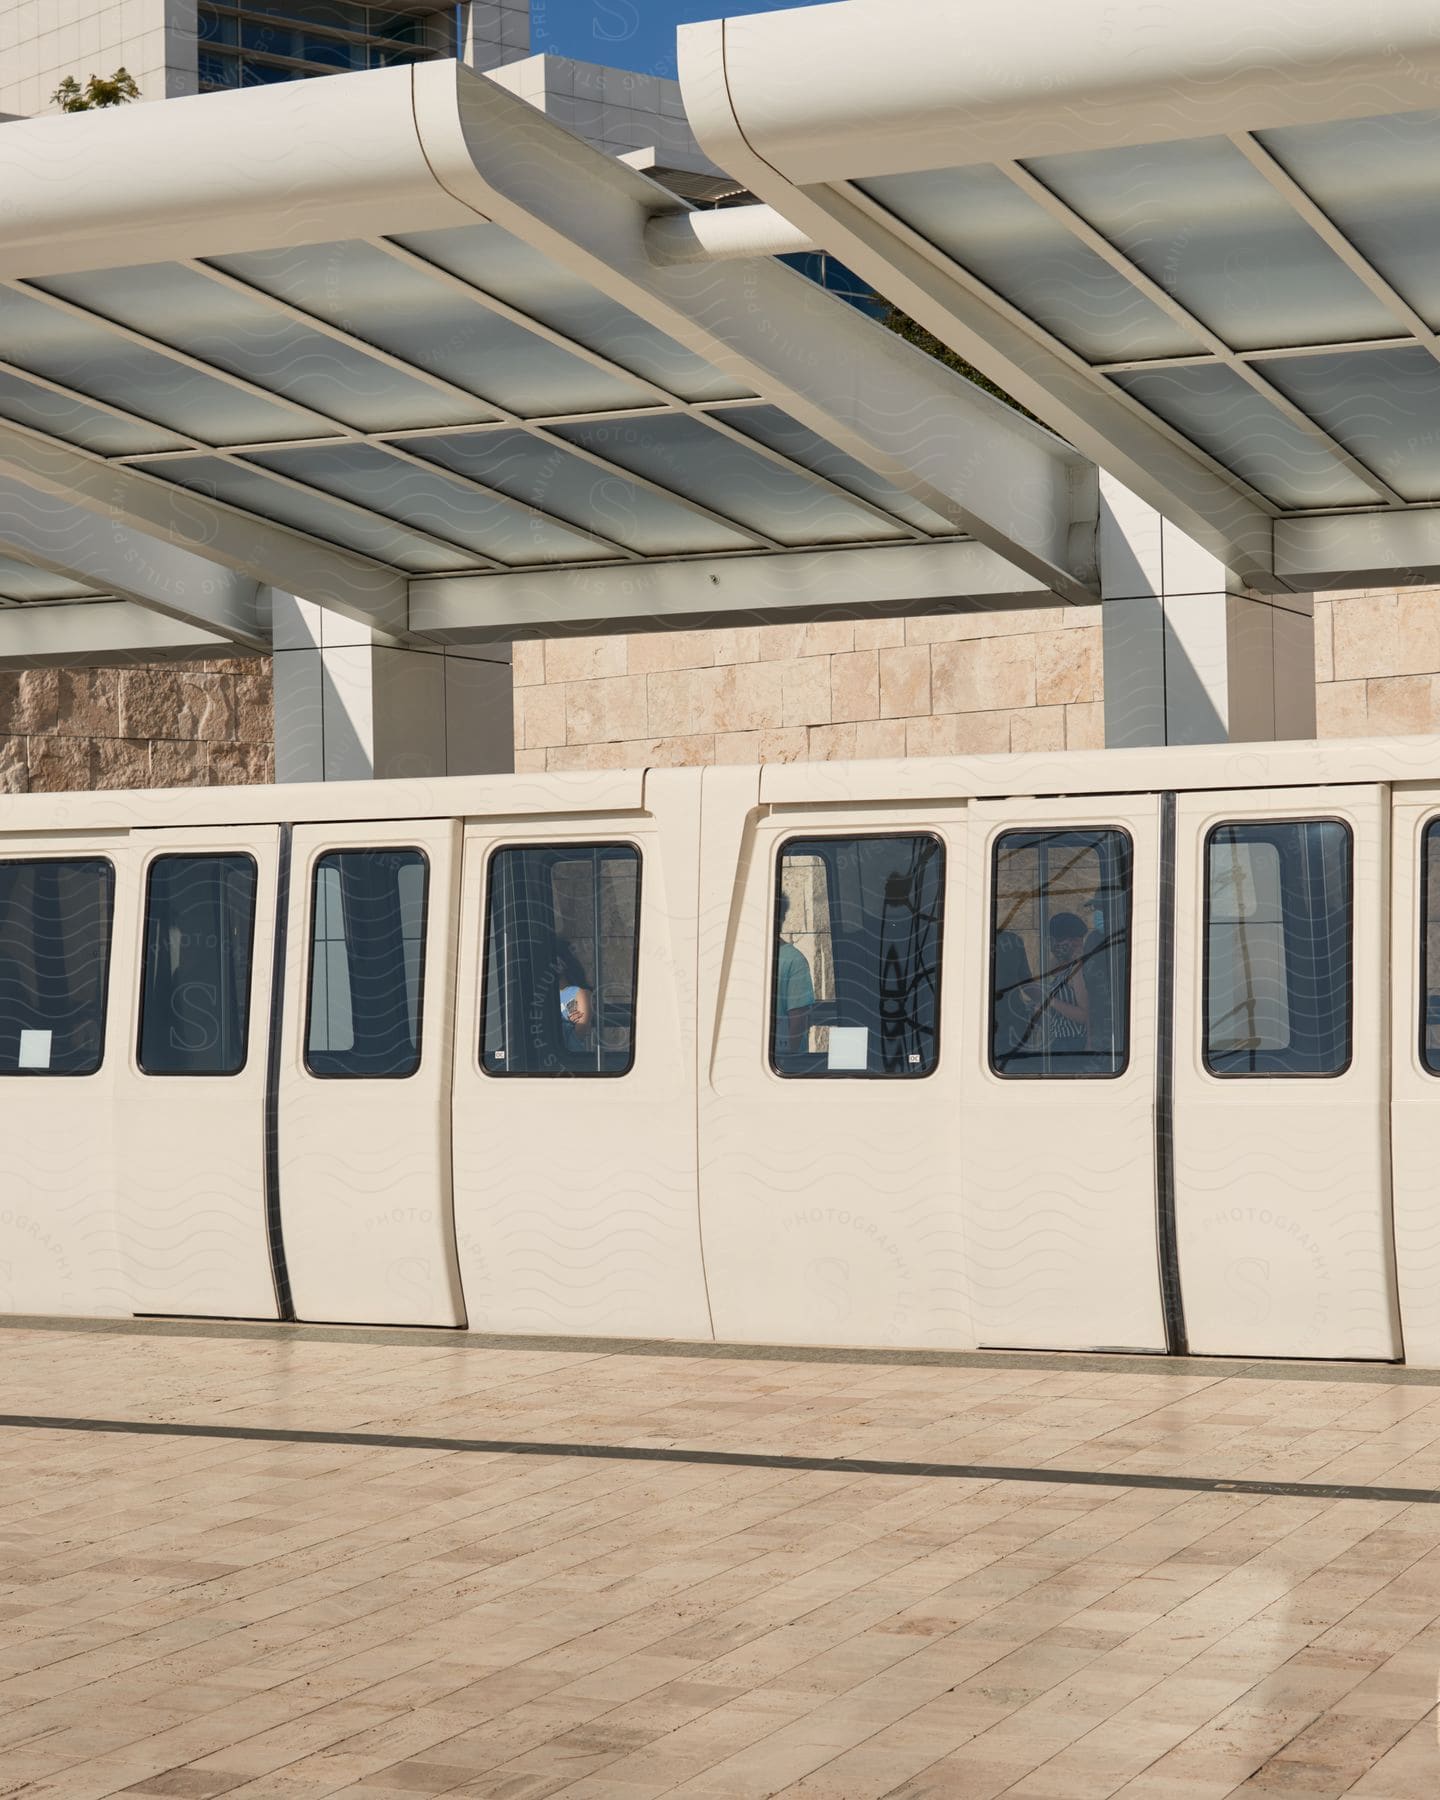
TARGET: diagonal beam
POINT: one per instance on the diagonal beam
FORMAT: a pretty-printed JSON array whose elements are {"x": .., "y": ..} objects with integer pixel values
[
  {"x": 100, "y": 631},
  {"x": 52, "y": 532}
]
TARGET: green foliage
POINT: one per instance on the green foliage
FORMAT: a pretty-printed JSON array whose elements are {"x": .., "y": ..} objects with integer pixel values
[
  {"x": 904, "y": 326},
  {"x": 99, "y": 90}
]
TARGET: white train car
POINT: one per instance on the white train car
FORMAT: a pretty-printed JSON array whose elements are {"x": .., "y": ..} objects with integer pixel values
[{"x": 1126, "y": 1050}]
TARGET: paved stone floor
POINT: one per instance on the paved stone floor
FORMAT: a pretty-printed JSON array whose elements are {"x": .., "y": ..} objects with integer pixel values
[{"x": 246, "y": 1586}]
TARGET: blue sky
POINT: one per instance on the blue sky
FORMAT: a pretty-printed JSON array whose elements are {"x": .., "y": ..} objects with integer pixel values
[{"x": 630, "y": 34}]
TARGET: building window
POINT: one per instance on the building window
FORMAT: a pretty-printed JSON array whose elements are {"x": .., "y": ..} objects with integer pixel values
[{"x": 251, "y": 43}]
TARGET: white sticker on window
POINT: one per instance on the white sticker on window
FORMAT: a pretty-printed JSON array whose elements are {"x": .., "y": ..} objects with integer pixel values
[
  {"x": 849, "y": 1047},
  {"x": 35, "y": 1049}
]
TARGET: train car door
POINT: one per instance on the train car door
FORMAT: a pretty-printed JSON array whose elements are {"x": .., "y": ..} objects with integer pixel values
[
  {"x": 574, "y": 1108},
  {"x": 1415, "y": 1068},
  {"x": 67, "y": 927},
  {"x": 364, "y": 1102},
  {"x": 1056, "y": 1122},
  {"x": 1281, "y": 1103},
  {"x": 190, "y": 1119}
]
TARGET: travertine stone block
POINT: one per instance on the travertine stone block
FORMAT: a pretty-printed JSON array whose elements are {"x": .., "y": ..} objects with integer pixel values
[
  {"x": 605, "y": 711},
  {"x": 983, "y": 674},
  {"x": 880, "y": 737},
  {"x": 670, "y": 703},
  {"x": 527, "y": 662},
  {"x": 1340, "y": 709},
  {"x": 120, "y": 763},
  {"x": 1067, "y": 666},
  {"x": 743, "y": 697},
  {"x": 1038, "y": 728},
  {"x": 254, "y": 705},
  {"x": 1401, "y": 703},
  {"x": 1324, "y": 641},
  {"x": 855, "y": 685},
  {"x": 785, "y": 744},
  {"x": 879, "y": 634},
  {"x": 14, "y": 770},
  {"x": 905, "y": 682},
  {"x": 1085, "y": 726},
  {"x": 659, "y": 650},
  {"x": 88, "y": 702},
  {"x": 831, "y": 743},
  {"x": 30, "y": 701},
  {"x": 735, "y": 644},
  {"x": 176, "y": 764},
  {"x": 540, "y": 716},
  {"x": 958, "y": 734},
  {"x": 585, "y": 659},
  {"x": 530, "y": 762},
  {"x": 1366, "y": 637},
  {"x": 806, "y": 690},
  {"x": 60, "y": 765},
  {"x": 827, "y": 638},
  {"x": 238, "y": 765},
  {"x": 781, "y": 643}
]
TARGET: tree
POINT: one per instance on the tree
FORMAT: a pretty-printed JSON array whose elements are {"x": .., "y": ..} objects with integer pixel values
[
  {"x": 99, "y": 90},
  {"x": 906, "y": 327}
]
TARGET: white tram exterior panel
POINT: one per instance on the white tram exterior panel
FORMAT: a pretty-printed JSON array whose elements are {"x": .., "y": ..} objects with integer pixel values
[{"x": 1123, "y": 1050}]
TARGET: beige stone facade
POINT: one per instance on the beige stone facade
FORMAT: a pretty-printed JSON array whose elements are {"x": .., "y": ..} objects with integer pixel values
[
  {"x": 163, "y": 725},
  {"x": 788, "y": 693},
  {"x": 966, "y": 682}
]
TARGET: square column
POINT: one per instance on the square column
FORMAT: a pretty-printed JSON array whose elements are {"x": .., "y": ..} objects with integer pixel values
[
  {"x": 1190, "y": 656},
  {"x": 352, "y": 704}
]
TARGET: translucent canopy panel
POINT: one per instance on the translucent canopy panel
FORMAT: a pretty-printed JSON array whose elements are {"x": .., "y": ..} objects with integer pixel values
[
  {"x": 1205, "y": 225},
  {"x": 1375, "y": 178},
  {"x": 429, "y": 500},
  {"x": 1220, "y": 413},
  {"x": 22, "y": 581},
  {"x": 496, "y": 263},
  {"x": 76, "y": 421},
  {"x": 681, "y": 453},
  {"x": 990, "y": 227},
  {"x": 546, "y": 475},
  {"x": 309, "y": 511},
  {"x": 1382, "y": 405},
  {"x": 440, "y": 326}
]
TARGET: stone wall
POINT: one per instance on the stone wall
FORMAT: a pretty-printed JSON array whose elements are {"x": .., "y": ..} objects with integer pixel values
[
  {"x": 161, "y": 725},
  {"x": 788, "y": 693},
  {"x": 1377, "y": 662}
]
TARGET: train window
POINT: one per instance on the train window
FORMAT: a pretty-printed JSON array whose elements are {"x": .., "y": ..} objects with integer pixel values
[
  {"x": 855, "y": 966},
  {"x": 55, "y": 920},
  {"x": 562, "y": 941},
  {"x": 367, "y": 963},
  {"x": 1430, "y": 950},
  {"x": 1060, "y": 954},
  {"x": 1277, "y": 948},
  {"x": 195, "y": 986}
]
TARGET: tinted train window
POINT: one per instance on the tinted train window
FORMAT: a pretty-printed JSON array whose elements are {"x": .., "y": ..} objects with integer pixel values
[
  {"x": 1277, "y": 949},
  {"x": 855, "y": 970},
  {"x": 561, "y": 945},
  {"x": 367, "y": 963},
  {"x": 195, "y": 993},
  {"x": 1060, "y": 954},
  {"x": 55, "y": 921},
  {"x": 1430, "y": 949}
]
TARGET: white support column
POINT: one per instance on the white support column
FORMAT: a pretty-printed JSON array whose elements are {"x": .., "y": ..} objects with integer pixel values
[
  {"x": 353, "y": 705},
  {"x": 1190, "y": 656}
]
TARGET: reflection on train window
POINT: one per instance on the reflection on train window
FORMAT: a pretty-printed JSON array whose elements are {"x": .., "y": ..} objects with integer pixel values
[
  {"x": 1060, "y": 954},
  {"x": 367, "y": 963},
  {"x": 855, "y": 968},
  {"x": 1277, "y": 948},
  {"x": 561, "y": 943},
  {"x": 1430, "y": 950},
  {"x": 195, "y": 992},
  {"x": 55, "y": 919}
]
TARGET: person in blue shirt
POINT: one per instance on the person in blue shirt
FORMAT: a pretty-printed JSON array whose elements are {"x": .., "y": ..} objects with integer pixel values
[{"x": 794, "y": 993}]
